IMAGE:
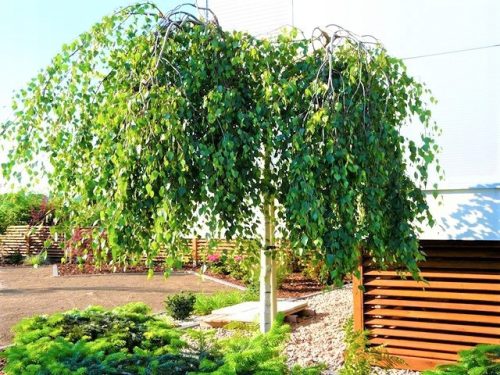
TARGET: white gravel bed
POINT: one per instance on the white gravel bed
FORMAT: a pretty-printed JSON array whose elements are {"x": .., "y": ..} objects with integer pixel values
[{"x": 320, "y": 339}]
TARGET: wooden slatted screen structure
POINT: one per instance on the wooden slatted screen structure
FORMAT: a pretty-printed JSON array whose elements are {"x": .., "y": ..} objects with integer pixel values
[
  {"x": 427, "y": 323},
  {"x": 200, "y": 248},
  {"x": 29, "y": 240}
]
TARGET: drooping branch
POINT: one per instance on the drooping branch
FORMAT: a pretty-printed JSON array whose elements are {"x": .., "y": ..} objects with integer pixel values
[{"x": 156, "y": 120}]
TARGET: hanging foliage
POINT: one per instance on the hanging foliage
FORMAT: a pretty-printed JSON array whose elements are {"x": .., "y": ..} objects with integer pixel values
[{"x": 153, "y": 123}]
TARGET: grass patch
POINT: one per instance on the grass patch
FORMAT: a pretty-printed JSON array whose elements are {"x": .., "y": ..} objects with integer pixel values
[{"x": 206, "y": 303}]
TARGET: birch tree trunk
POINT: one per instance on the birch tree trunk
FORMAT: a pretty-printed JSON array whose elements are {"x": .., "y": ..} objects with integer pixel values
[{"x": 268, "y": 300}]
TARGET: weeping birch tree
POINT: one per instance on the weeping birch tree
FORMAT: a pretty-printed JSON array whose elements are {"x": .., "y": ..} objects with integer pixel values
[{"x": 152, "y": 122}]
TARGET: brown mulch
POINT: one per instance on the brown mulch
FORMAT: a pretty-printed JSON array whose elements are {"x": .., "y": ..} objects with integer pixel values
[
  {"x": 295, "y": 285},
  {"x": 71, "y": 269}
]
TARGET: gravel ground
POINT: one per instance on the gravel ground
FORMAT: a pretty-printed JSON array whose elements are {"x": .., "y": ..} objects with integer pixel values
[{"x": 320, "y": 339}]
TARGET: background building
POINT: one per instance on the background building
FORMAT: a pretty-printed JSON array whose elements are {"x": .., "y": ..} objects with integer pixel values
[{"x": 452, "y": 46}]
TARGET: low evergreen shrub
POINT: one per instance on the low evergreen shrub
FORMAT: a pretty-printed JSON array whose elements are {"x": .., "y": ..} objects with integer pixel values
[
  {"x": 181, "y": 305},
  {"x": 97, "y": 341},
  {"x": 258, "y": 354},
  {"x": 129, "y": 340}
]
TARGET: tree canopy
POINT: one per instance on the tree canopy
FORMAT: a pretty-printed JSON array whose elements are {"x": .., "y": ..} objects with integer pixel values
[{"x": 154, "y": 122}]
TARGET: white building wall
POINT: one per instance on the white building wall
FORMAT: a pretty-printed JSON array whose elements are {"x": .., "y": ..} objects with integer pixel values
[{"x": 465, "y": 84}]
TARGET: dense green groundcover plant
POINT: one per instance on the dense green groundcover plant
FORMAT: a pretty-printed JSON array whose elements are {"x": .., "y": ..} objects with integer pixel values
[
  {"x": 481, "y": 360},
  {"x": 129, "y": 340},
  {"x": 152, "y": 123}
]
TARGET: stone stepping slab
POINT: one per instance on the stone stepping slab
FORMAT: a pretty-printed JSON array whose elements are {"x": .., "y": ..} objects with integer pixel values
[{"x": 248, "y": 312}]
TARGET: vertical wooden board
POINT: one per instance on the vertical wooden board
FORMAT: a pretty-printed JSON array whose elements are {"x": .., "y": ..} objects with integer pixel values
[
  {"x": 194, "y": 248},
  {"x": 358, "y": 306}
]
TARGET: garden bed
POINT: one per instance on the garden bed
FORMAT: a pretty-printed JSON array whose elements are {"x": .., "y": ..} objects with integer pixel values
[
  {"x": 295, "y": 285},
  {"x": 71, "y": 269}
]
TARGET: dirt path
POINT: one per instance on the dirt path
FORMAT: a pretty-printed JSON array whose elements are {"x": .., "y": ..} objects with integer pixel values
[{"x": 27, "y": 291}]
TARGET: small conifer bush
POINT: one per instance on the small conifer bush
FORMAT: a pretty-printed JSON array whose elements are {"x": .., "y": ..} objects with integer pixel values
[{"x": 181, "y": 305}]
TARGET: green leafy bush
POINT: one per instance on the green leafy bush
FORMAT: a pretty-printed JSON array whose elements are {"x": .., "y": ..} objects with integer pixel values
[
  {"x": 243, "y": 263},
  {"x": 129, "y": 340},
  {"x": 36, "y": 259},
  {"x": 25, "y": 208},
  {"x": 181, "y": 305},
  {"x": 206, "y": 303},
  {"x": 481, "y": 360}
]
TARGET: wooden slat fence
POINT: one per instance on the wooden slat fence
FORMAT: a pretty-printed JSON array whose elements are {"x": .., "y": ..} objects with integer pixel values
[
  {"x": 200, "y": 248},
  {"x": 29, "y": 240},
  {"x": 426, "y": 324}
]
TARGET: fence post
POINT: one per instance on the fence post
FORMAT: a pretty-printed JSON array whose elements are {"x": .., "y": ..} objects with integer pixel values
[
  {"x": 357, "y": 283},
  {"x": 194, "y": 251},
  {"x": 27, "y": 236}
]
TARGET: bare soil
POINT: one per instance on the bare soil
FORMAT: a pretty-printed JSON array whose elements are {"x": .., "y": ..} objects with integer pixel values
[{"x": 25, "y": 292}]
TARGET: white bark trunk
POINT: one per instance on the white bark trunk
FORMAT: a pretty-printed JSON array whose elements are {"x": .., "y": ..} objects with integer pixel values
[
  {"x": 268, "y": 300},
  {"x": 265, "y": 292}
]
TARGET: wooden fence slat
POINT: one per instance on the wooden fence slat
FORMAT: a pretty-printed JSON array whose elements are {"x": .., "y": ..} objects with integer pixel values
[
  {"x": 422, "y": 353},
  {"x": 435, "y": 285},
  {"x": 464, "y": 253},
  {"x": 438, "y": 295},
  {"x": 474, "y": 318},
  {"x": 440, "y": 275},
  {"x": 457, "y": 307},
  {"x": 454, "y": 264},
  {"x": 434, "y": 336},
  {"x": 433, "y": 305},
  {"x": 435, "y": 326},
  {"x": 417, "y": 344},
  {"x": 420, "y": 364}
]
